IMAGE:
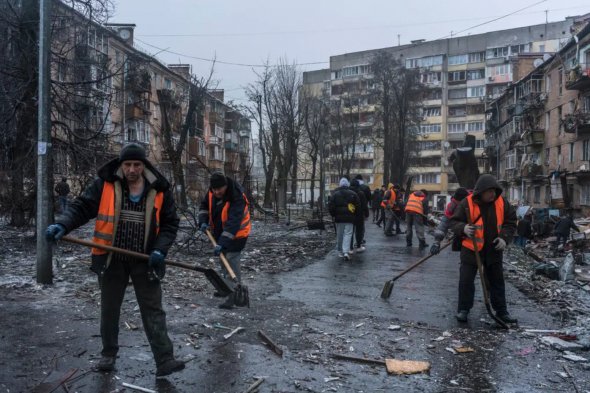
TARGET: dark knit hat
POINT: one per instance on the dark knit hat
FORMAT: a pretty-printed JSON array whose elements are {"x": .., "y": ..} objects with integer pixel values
[
  {"x": 460, "y": 194},
  {"x": 132, "y": 151},
  {"x": 359, "y": 177},
  {"x": 217, "y": 181}
]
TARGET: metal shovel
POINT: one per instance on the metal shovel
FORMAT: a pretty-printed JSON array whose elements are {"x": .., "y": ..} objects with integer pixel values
[{"x": 221, "y": 284}]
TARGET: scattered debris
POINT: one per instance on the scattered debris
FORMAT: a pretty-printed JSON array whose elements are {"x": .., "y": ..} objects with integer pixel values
[
  {"x": 526, "y": 351},
  {"x": 330, "y": 379},
  {"x": 400, "y": 367},
  {"x": 130, "y": 326},
  {"x": 138, "y": 388},
  {"x": 559, "y": 344},
  {"x": 48, "y": 387},
  {"x": 463, "y": 349},
  {"x": 236, "y": 330},
  {"x": 358, "y": 359},
  {"x": 254, "y": 387},
  {"x": 573, "y": 357},
  {"x": 274, "y": 347},
  {"x": 394, "y": 327}
]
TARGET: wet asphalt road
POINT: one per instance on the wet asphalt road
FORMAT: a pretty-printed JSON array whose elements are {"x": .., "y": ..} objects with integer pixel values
[{"x": 330, "y": 306}]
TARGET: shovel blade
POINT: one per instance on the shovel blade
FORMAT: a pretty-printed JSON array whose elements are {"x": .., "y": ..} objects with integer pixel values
[
  {"x": 223, "y": 286},
  {"x": 241, "y": 296},
  {"x": 387, "y": 289}
]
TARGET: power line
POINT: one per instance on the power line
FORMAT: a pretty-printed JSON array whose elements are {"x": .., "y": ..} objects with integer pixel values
[
  {"x": 314, "y": 31},
  {"x": 223, "y": 62}
]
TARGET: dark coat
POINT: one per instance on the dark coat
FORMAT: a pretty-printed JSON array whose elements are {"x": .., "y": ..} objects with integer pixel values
[
  {"x": 237, "y": 204},
  {"x": 488, "y": 213},
  {"x": 85, "y": 207},
  {"x": 343, "y": 205},
  {"x": 363, "y": 212},
  {"x": 525, "y": 228},
  {"x": 376, "y": 199},
  {"x": 366, "y": 191},
  {"x": 564, "y": 226},
  {"x": 62, "y": 188}
]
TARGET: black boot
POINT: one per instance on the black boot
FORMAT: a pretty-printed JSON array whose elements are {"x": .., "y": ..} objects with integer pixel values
[
  {"x": 229, "y": 302},
  {"x": 506, "y": 317},
  {"x": 106, "y": 363},
  {"x": 462, "y": 315},
  {"x": 423, "y": 244},
  {"x": 169, "y": 367}
]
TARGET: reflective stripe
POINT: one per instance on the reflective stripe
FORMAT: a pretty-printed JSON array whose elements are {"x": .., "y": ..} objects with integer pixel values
[
  {"x": 103, "y": 236},
  {"x": 103, "y": 217},
  {"x": 478, "y": 226},
  {"x": 227, "y": 234}
]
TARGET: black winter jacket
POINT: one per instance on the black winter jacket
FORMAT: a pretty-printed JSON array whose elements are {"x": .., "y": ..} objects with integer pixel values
[
  {"x": 233, "y": 195},
  {"x": 343, "y": 205},
  {"x": 85, "y": 207},
  {"x": 376, "y": 199},
  {"x": 363, "y": 212}
]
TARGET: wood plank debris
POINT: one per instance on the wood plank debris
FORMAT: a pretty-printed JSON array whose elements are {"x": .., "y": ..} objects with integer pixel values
[
  {"x": 401, "y": 367},
  {"x": 138, "y": 388},
  {"x": 254, "y": 387},
  {"x": 358, "y": 359},
  {"x": 274, "y": 347},
  {"x": 236, "y": 330}
]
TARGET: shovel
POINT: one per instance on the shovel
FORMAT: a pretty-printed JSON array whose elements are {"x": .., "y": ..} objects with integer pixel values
[
  {"x": 388, "y": 287},
  {"x": 220, "y": 284},
  {"x": 241, "y": 294}
]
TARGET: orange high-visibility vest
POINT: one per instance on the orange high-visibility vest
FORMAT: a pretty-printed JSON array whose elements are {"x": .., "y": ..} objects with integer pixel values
[
  {"x": 391, "y": 201},
  {"x": 414, "y": 204},
  {"x": 475, "y": 213},
  {"x": 245, "y": 226},
  {"x": 106, "y": 218}
]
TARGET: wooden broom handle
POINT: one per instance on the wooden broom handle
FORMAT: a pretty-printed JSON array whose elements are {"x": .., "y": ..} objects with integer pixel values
[{"x": 223, "y": 258}]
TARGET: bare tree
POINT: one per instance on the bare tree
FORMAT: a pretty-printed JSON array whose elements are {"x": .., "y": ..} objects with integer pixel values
[
  {"x": 399, "y": 95},
  {"x": 345, "y": 132},
  {"x": 178, "y": 121},
  {"x": 315, "y": 115}
]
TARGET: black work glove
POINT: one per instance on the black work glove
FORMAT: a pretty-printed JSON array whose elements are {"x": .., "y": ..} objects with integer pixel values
[
  {"x": 54, "y": 232},
  {"x": 157, "y": 264},
  {"x": 435, "y": 248}
]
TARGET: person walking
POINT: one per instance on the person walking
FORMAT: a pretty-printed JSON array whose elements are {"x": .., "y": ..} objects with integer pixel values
[
  {"x": 134, "y": 210},
  {"x": 486, "y": 217},
  {"x": 563, "y": 228},
  {"x": 376, "y": 199},
  {"x": 62, "y": 189},
  {"x": 225, "y": 209},
  {"x": 343, "y": 206},
  {"x": 524, "y": 230},
  {"x": 388, "y": 203},
  {"x": 381, "y": 219},
  {"x": 416, "y": 211},
  {"x": 360, "y": 216}
]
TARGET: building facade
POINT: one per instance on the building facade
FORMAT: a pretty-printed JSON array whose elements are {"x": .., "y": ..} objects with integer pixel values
[{"x": 460, "y": 75}]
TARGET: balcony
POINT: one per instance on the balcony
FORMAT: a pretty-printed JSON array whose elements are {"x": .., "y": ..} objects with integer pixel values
[
  {"x": 215, "y": 140},
  {"x": 533, "y": 137},
  {"x": 364, "y": 155},
  {"x": 532, "y": 170},
  {"x": 578, "y": 78},
  {"x": 134, "y": 111},
  {"x": 217, "y": 118}
]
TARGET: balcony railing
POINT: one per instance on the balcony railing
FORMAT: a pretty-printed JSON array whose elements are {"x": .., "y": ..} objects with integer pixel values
[
  {"x": 533, "y": 137},
  {"x": 578, "y": 77}
]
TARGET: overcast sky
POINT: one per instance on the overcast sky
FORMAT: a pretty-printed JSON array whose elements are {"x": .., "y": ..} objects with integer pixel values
[{"x": 308, "y": 31}]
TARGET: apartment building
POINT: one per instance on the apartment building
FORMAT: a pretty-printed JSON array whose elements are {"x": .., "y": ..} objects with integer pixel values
[
  {"x": 460, "y": 74},
  {"x": 538, "y": 131},
  {"x": 118, "y": 101}
]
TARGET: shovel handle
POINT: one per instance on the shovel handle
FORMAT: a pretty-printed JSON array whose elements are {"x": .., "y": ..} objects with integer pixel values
[
  {"x": 478, "y": 261},
  {"x": 421, "y": 261},
  {"x": 129, "y": 253},
  {"x": 223, "y": 258}
]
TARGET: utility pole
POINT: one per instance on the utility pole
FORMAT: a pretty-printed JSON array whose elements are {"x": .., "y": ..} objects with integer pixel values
[{"x": 44, "y": 206}]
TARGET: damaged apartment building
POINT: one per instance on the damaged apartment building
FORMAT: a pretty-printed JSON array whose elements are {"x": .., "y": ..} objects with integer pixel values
[
  {"x": 538, "y": 131},
  {"x": 461, "y": 75},
  {"x": 108, "y": 92}
]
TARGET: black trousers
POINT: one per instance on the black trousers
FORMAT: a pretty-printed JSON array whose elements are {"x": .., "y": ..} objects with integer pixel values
[
  {"x": 149, "y": 298},
  {"x": 494, "y": 274},
  {"x": 359, "y": 232}
]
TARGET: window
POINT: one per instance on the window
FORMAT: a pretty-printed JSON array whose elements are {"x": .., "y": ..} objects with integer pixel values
[
  {"x": 455, "y": 111},
  {"x": 430, "y": 77},
  {"x": 456, "y": 76},
  {"x": 435, "y": 145},
  {"x": 559, "y": 158},
  {"x": 336, "y": 74},
  {"x": 502, "y": 69},
  {"x": 476, "y": 74},
  {"x": 458, "y": 59},
  {"x": 428, "y": 178},
  {"x": 586, "y": 150},
  {"x": 477, "y": 57},
  {"x": 572, "y": 106},
  {"x": 548, "y": 84},
  {"x": 537, "y": 194},
  {"x": 167, "y": 83},
  {"x": 480, "y": 144},
  {"x": 430, "y": 112},
  {"x": 457, "y": 93},
  {"x": 475, "y": 126},
  {"x": 560, "y": 80},
  {"x": 560, "y": 117},
  {"x": 477, "y": 91},
  {"x": 497, "y": 52},
  {"x": 547, "y": 155},
  {"x": 429, "y": 128},
  {"x": 454, "y": 128},
  {"x": 511, "y": 160},
  {"x": 542, "y": 48},
  {"x": 138, "y": 131},
  {"x": 522, "y": 48},
  {"x": 424, "y": 61},
  {"x": 572, "y": 146},
  {"x": 547, "y": 120},
  {"x": 585, "y": 194}
]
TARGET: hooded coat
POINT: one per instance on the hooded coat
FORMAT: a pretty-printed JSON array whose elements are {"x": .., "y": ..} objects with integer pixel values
[
  {"x": 363, "y": 211},
  {"x": 488, "y": 213},
  {"x": 85, "y": 207},
  {"x": 343, "y": 205}
]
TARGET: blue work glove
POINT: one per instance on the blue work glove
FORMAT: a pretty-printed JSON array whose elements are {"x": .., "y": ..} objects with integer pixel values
[
  {"x": 218, "y": 250},
  {"x": 54, "y": 232},
  {"x": 156, "y": 263},
  {"x": 203, "y": 227}
]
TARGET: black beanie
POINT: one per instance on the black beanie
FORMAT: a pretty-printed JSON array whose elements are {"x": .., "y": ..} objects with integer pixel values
[
  {"x": 359, "y": 177},
  {"x": 217, "y": 181},
  {"x": 132, "y": 151},
  {"x": 460, "y": 194}
]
